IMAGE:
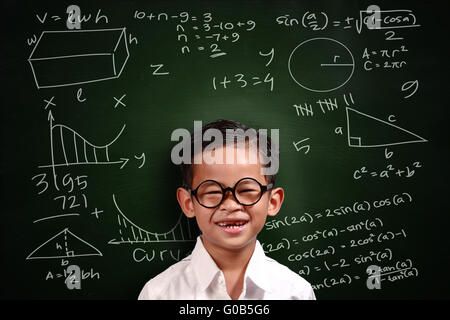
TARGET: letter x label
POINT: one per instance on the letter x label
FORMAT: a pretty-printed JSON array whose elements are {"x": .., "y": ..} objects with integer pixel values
[{"x": 119, "y": 101}]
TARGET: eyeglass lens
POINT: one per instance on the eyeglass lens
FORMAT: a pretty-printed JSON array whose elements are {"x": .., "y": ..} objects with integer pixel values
[{"x": 247, "y": 192}]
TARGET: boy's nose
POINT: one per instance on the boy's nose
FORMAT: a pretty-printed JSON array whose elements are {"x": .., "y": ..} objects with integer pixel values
[{"x": 229, "y": 202}]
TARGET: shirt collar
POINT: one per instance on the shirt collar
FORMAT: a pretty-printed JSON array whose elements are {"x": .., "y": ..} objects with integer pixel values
[
  {"x": 257, "y": 270},
  {"x": 205, "y": 268}
]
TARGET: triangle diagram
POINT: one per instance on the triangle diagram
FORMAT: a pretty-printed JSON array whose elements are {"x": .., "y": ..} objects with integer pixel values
[
  {"x": 65, "y": 244},
  {"x": 365, "y": 131}
]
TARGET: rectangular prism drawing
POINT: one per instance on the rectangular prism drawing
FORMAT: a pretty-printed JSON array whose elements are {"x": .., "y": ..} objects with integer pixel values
[{"x": 65, "y": 58}]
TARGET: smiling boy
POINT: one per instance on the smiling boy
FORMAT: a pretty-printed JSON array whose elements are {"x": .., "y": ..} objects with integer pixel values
[{"x": 230, "y": 194}]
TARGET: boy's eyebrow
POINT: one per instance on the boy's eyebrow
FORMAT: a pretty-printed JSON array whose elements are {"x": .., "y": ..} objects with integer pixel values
[
  {"x": 224, "y": 185},
  {"x": 221, "y": 182}
]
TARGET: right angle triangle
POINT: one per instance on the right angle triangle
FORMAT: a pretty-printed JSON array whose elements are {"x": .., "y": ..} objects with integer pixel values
[{"x": 365, "y": 131}]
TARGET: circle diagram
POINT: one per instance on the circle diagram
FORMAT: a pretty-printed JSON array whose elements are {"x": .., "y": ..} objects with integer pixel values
[{"x": 321, "y": 64}]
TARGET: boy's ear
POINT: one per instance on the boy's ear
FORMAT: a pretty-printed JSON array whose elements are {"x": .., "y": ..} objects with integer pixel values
[
  {"x": 185, "y": 200},
  {"x": 275, "y": 200}
]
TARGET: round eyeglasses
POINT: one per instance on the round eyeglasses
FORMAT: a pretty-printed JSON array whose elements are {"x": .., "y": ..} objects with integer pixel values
[{"x": 247, "y": 192}]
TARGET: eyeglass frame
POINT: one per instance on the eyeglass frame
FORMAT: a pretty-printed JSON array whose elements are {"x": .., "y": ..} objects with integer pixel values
[{"x": 263, "y": 188}]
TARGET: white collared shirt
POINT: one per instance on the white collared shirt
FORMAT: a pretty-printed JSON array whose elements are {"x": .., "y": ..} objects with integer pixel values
[{"x": 198, "y": 277}]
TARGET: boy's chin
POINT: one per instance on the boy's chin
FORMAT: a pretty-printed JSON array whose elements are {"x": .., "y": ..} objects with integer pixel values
[{"x": 235, "y": 242}]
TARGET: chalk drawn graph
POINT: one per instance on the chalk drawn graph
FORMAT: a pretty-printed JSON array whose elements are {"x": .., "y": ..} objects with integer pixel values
[
  {"x": 69, "y": 148},
  {"x": 82, "y": 152},
  {"x": 64, "y": 244},
  {"x": 130, "y": 233},
  {"x": 365, "y": 131}
]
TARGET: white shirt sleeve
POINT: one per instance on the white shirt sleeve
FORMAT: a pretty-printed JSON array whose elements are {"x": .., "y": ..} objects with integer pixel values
[
  {"x": 311, "y": 295},
  {"x": 146, "y": 293},
  {"x": 302, "y": 289}
]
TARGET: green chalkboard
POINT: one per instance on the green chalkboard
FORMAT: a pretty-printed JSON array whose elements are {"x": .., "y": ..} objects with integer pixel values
[{"x": 358, "y": 94}]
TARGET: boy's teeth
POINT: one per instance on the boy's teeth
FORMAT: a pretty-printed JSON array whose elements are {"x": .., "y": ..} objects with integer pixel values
[{"x": 235, "y": 225}]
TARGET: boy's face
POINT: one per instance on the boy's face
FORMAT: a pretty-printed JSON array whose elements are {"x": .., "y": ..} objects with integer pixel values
[{"x": 211, "y": 220}]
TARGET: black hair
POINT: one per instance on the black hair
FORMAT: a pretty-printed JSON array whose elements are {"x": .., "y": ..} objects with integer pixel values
[{"x": 222, "y": 126}]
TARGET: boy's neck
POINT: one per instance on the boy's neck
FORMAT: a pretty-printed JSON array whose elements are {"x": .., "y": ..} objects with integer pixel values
[{"x": 230, "y": 260}]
